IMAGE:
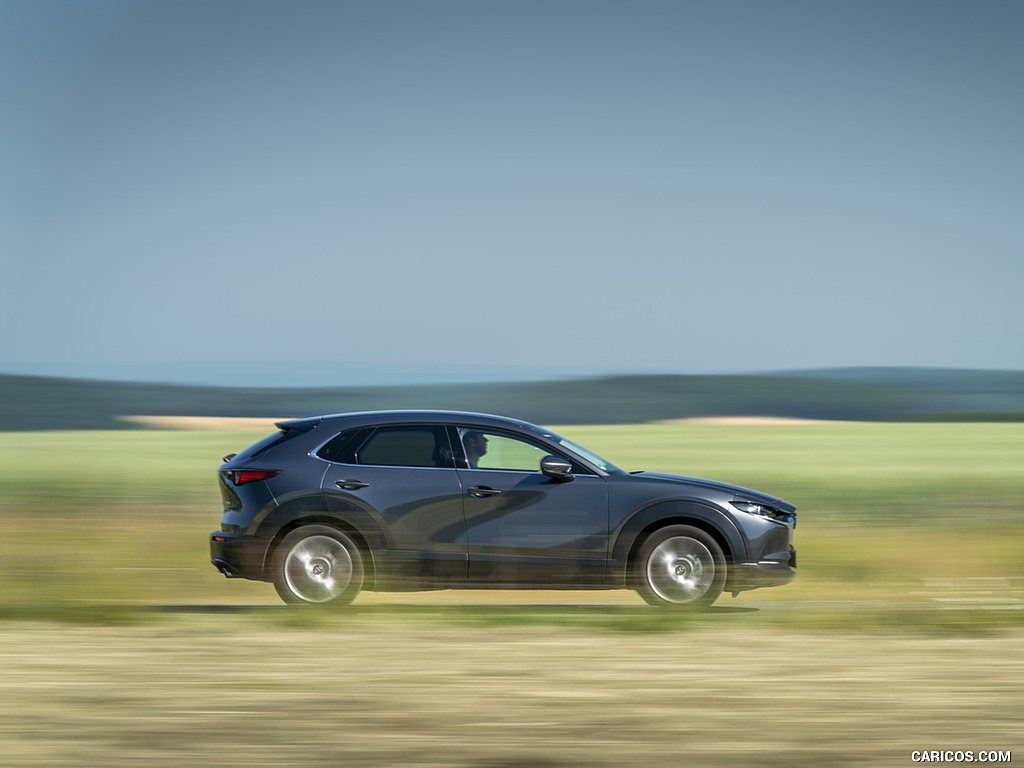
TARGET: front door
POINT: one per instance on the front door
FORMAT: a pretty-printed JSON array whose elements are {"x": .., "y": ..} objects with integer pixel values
[{"x": 523, "y": 527}]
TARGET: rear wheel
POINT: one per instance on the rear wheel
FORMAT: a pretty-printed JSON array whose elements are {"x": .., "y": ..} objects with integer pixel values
[
  {"x": 318, "y": 564},
  {"x": 680, "y": 566}
]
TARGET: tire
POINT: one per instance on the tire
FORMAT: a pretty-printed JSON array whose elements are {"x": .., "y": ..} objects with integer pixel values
[
  {"x": 680, "y": 567},
  {"x": 317, "y": 564}
]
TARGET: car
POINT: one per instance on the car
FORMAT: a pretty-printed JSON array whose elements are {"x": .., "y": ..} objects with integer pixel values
[{"x": 422, "y": 500}]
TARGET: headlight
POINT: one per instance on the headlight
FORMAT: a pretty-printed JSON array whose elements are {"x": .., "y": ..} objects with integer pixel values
[{"x": 763, "y": 510}]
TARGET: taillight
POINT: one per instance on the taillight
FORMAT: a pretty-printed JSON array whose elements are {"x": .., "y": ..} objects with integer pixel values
[{"x": 243, "y": 476}]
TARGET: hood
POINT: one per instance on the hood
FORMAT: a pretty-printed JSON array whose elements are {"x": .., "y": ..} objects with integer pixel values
[{"x": 736, "y": 491}]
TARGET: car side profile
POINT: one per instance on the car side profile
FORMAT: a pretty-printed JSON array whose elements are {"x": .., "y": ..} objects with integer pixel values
[{"x": 421, "y": 500}]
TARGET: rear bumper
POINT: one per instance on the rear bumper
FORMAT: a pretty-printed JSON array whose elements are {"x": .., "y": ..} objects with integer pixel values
[
  {"x": 776, "y": 569},
  {"x": 237, "y": 556}
]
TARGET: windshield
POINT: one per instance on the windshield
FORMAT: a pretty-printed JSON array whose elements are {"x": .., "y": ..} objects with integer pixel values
[{"x": 569, "y": 445}]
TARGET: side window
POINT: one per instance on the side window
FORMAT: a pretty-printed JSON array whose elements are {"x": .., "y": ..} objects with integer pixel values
[
  {"x": 496, "y": 450},
  {"x": 408, "y": 446}
]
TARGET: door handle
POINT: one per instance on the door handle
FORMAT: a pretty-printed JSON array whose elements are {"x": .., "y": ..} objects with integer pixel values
[
  {"x": 350, "y": 485},
  {"x": 482, "y": 491}
]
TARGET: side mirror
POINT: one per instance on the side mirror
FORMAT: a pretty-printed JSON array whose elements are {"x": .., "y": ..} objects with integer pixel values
[{"x": 557, "y": 468}]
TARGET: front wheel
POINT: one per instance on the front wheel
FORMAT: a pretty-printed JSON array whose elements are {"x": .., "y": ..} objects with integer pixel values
[
  {"x": 680, "y": 567},
  {"x": 318, "y": 564}
]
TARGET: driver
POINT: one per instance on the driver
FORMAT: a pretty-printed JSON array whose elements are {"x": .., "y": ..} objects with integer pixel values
[{"x": 476, "y": 446}]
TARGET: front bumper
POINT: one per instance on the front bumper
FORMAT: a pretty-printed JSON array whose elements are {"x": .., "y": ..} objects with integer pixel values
[
  {"x": 773, "y": 571},
  {"x": 238, "y": 556}
]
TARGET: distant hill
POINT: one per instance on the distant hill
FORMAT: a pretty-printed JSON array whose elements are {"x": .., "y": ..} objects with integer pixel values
[{"x": 884, "y": 394}]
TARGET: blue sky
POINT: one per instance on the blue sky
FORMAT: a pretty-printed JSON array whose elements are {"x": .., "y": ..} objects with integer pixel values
[{"x": 369, "y": 192}]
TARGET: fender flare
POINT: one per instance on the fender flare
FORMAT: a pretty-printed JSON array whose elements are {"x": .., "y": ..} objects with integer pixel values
[
  {"x": 627, "y": 537},
  {"x": 316, "y": 509}
]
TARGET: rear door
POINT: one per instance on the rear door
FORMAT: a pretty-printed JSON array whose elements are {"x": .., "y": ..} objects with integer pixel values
[{"x": 404, "y": 477}]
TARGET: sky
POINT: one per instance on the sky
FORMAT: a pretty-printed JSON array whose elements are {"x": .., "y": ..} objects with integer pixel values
[{"x": 310, "y": 193}]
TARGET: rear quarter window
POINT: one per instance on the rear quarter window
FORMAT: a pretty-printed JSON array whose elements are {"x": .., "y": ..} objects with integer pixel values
[
  {"x": 256, "y": 450},
  {"x": 339, "y": 448}
]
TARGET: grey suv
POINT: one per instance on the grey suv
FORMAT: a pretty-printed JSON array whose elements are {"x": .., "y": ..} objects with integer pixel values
[{"x": 418, "y": 500}]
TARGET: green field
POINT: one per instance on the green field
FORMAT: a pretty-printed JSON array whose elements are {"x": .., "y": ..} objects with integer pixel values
[
  {"x": 122, "y": 645},
  {"x": 123, "y": 517}
]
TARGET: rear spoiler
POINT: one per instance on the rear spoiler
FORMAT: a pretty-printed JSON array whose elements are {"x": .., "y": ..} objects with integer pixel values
[{"x": 300, "y": 425}]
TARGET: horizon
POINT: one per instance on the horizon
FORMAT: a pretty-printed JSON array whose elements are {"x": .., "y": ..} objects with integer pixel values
[{"x": 385, "y": 381}]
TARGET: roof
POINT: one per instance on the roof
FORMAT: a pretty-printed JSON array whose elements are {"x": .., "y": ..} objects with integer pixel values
[{"x": 360, "y": 418}]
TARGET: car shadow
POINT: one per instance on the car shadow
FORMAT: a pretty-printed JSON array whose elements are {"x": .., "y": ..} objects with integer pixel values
[{"x": 454, "y": 609}]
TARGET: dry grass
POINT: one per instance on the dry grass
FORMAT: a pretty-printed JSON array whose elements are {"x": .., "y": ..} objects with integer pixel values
[
  {"x": 748, "y": 421},
  {"x": 204, "y": 423},
  {"x": 380, "y": 690}
]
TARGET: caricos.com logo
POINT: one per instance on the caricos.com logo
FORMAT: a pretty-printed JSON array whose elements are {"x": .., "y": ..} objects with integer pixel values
[{"x": 960, "y": 756}]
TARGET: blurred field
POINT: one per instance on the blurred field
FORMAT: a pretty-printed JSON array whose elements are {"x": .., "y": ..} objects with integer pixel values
[
  {"x": 122, "y": 645},
  {"x": 116, "y": 517},
  {"x": 237, "y": 690}
]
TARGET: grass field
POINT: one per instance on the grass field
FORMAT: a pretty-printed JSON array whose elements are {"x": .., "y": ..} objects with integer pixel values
[
  {"x": 237, "y": 690},
  {"x": 117, "y": 517},
  {"x": 123, "y": 646}
]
